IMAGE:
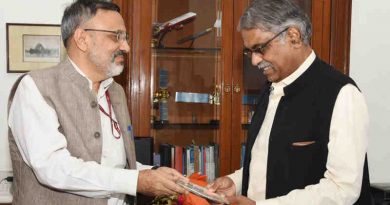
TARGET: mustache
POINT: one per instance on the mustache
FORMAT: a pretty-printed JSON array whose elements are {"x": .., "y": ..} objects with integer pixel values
[
  {"x": 118, "y": 53},
  {"x": 263, "y": 64}
]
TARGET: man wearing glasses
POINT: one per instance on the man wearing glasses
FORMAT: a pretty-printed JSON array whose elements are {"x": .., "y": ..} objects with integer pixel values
[
  {"x": 70, "y": 132},
  {"x": 308, "y": 139}
]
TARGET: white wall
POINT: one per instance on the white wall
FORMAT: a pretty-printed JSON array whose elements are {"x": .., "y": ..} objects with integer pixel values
[
  {"x": 370, "y": 67},
  {"x": 19, "y": 11}
]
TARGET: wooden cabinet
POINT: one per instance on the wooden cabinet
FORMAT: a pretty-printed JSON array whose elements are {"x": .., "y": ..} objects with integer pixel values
[{"x": 212, "y": 65}]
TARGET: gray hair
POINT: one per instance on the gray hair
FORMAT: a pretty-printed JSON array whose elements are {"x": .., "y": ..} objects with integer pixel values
[
  {"x": 79, "y": 12},
  {"x": 274, "y": 16}
]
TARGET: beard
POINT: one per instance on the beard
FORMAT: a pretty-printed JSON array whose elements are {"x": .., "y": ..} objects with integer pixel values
[
  {"x": 111, "y": 68},
  {"x": 115, "y": 69}
]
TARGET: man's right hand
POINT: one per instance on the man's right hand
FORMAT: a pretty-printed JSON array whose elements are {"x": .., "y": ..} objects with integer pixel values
[
  {"x": 160, "y": 182},
  {"x": 223, "y": 185}
]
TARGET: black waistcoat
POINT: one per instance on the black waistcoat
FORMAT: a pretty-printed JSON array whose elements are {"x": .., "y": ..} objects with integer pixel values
[{"x": 303, "y": 114}]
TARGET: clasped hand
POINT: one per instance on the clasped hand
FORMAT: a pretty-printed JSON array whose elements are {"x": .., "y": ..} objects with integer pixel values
[{"x": 226, "y": 187}]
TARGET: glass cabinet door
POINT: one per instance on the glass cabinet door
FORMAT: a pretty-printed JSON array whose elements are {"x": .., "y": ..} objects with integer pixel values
[{"x": 186, "y": 74}]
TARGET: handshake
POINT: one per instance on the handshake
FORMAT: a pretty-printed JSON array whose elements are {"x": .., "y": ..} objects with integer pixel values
[{"x": 166, "y": 181}]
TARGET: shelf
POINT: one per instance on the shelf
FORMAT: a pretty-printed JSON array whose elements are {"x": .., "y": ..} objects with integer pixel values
[
  {"x": 159, "y": 125},
  {"x": 168, "y": 49},
  {"x": 186, "y": 52}
]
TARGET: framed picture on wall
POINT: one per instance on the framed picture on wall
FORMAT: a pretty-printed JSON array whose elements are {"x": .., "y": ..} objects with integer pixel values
[{"x": 33, "y": 46}]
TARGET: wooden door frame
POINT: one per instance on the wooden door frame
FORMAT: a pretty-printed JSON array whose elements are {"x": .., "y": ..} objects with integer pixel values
[
  {"x": 136, "y": 78},
  {"x": 331, "y": 31},
  {"x": 226, "y": 102}
]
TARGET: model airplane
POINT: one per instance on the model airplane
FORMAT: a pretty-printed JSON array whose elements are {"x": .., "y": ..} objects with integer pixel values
[{"x": 160, "y": 29}]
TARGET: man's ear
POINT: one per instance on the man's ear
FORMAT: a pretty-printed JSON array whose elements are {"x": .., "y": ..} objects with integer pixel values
[
  {"x": 80, "y": 39},
  {"x": 294, "y": 37}
]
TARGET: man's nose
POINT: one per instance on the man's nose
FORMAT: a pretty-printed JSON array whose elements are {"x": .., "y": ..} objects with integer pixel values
[
  {"x": 125, "y": 47},
  {"x": 256, "y": 59}
]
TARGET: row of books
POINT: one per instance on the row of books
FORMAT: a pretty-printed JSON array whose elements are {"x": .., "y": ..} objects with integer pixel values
[{"x": 190, "y": 159}]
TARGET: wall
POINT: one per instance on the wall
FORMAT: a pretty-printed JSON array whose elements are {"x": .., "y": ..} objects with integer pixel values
[
  {"x": 370, "y": 67},
  {"x": 19, "y": 11}
]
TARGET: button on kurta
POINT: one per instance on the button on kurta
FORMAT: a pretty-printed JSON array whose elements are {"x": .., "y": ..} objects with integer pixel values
[
  {"x": 93, "y": 104},
  {"x": 96, "y": 134}
]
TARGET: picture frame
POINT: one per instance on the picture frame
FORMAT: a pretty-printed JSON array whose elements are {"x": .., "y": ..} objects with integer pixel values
[{"x": 33, "y": 46}]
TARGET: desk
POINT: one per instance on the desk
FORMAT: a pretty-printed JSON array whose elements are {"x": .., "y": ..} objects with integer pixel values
[{"x": 381, "y": 193}]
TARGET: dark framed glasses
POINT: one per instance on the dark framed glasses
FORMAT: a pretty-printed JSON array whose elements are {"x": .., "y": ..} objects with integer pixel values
[
  {"x": 261, "y": 48},
  {"x": 120, "y": 35}
]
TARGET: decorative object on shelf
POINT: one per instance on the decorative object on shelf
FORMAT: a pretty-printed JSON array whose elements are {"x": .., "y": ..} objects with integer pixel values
[
  {"x": 33, "y": 46},
  {"x": 218, "y": 25},
  {"x": 194, "y": 36},
  {"x": 187, "y": 97},
  {"x": 161, "y": 96},
  {"x": 163, "y": 104},
  {"x": 215, "y": 97},
  {"x": 161, "y": 29}
]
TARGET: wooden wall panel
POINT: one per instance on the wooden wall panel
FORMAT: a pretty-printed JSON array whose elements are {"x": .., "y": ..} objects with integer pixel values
[
  {"x": 237, "y": 79},
  {"x": 125, "y": 78},
  {"x": 144, "y": 49},
  {"x": 226, "y": 109},
  {"x": 331, "y": 32},
  {"x": 340, "y": 34},
  {"x": 136, "y": 79},
  {"x": 321, "y": 28}
]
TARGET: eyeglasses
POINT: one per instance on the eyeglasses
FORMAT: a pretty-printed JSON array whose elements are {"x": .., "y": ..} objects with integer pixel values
[
  {"x": 120, "y": 35},
  {"x": 261, "y": 48}
]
